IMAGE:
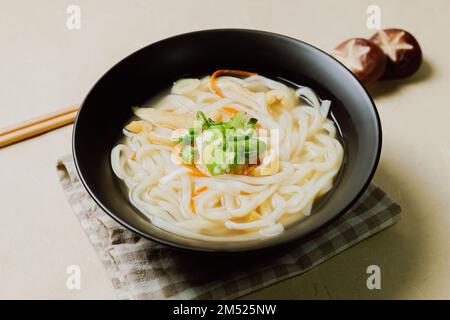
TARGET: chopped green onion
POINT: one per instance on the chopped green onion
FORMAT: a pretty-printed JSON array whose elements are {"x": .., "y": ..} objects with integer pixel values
[
  {"x": 226, "y": 145},
  {"x": 188, "y": 154}
]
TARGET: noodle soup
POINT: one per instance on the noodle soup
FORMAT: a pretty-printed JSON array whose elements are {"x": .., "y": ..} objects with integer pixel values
[{"x": 233, "y": 156}]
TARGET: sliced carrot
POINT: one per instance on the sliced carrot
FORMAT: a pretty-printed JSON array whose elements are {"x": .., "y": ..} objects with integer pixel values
[
  {"x": 189, "y": 166},
  {"x": 230, "y": 109},
  {"x": 200, "y": 190},
  {"x": 192, "y": 205},
  {"x": 196, "y": 174},
  {"x": 220, "y": 72},
  {"x": 194, "y": 171}
]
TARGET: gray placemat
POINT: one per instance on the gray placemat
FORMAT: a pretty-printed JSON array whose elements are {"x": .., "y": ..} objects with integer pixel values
[{"x": 142, "y": 269}]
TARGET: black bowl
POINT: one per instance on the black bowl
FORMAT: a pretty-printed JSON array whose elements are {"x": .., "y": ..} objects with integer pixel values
[{"x": 146, "y": 72}]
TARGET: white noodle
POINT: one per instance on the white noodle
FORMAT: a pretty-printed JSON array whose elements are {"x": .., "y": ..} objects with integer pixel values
[{"x": 233, "y": 207}]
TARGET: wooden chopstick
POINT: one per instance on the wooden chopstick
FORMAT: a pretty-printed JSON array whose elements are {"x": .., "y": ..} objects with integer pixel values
[
  {"x": 36, "y": 126},
  {"x": 37, "y": 120}
]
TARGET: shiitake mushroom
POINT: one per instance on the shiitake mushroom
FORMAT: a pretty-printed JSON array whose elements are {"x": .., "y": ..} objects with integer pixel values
[
  {"x": 364, "y": 58},
  {"x": 403, "y": 52}
]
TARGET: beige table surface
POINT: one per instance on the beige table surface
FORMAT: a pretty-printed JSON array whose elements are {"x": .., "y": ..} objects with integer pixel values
[{"x": 44, "y": 66}]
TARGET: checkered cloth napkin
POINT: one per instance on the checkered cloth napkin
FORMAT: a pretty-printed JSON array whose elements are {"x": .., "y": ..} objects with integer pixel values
[{"x": 142, "y": 269}]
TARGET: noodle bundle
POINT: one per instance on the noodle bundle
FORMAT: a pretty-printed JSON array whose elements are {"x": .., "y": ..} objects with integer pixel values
[{"x": 168, "y": 158}]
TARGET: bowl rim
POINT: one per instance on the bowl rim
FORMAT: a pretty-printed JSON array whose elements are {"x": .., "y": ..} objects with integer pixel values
[{"x": 192, "y": 249}]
